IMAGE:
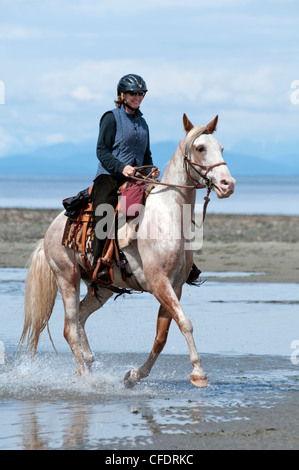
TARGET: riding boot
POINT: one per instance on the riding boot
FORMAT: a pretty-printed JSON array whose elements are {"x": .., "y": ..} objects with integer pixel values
[
  {"x": 104, "y": 192},
  {"x": 193, "y": 275},
  {"x": 103, "y": 272}
]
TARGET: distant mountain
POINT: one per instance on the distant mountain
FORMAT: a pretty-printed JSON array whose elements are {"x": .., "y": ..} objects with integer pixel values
[
  {"x": 246, "y": 165},
  {"x": 80, "y": 159},
  {"x": 58, "y": 159},
  {"x": 71, "y": 159}
]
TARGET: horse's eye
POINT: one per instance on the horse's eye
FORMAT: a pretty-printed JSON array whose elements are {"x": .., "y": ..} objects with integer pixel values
[{"x": 201, "y": 148}]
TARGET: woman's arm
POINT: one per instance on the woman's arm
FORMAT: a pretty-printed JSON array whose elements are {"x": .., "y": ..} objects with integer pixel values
[{"x": 105, "y": 143}]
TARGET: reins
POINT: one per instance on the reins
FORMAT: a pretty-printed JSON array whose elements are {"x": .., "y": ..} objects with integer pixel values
[
  {"x": 189, "y": 164},
  {"x": 148, "y": 178}
]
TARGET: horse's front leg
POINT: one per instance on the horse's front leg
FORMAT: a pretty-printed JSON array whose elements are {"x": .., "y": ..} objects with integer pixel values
[
  {"x": 134, "y": 376},
  {"x": 166, "y": 296}
]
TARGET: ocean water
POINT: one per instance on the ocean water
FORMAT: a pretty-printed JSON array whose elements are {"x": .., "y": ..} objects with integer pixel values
[
  {"x": 253, "y": 195},
  {"x": 39, "y": 192},
  {"x": 247, "y": 337},
  {"x": 246, "y": 318},
  {"x": 246, "y": 333}
]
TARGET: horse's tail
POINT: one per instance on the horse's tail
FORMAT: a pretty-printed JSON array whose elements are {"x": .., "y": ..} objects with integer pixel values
[{"x": 40, "y": 294}]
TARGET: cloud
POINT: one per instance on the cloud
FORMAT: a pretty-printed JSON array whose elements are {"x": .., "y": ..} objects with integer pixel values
[
  {"x": 86, "y": 81},
  {"x": 61, "y": 62},
  {"x": 253, "y": 101},
  {"x": 259, "y": 87},
  {"x": 16, "y": 32},
  {"x": 169, "y": 5},
  {"x": 82, "y": 93},
  {"x": 52, "y": 139}
]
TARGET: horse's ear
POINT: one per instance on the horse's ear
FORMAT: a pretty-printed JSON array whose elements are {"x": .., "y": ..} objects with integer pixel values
[
  {"x": 211, "y": 127},
  {"x": 187, "y": 124}
]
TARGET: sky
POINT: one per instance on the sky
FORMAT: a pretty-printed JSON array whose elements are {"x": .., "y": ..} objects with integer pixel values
[{"x": 60, "y": 62}]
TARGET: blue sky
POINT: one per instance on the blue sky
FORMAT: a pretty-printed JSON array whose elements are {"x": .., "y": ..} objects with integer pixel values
[{"x": 60, "y": 62}]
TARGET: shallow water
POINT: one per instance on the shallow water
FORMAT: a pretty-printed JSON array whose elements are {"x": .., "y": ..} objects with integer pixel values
[
  {"x": 255, "y": 195},
  {"x": 44, "y": 406},
  {"x": 244, "y": 333}
]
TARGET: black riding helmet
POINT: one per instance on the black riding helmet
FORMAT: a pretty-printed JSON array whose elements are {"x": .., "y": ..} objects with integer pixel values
[{"x": 131, "y": 82}]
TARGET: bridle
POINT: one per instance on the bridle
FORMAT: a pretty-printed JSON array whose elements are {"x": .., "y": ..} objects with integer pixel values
[
  {"x": 201, "y": 170},
  {"x": 202, "y": 174}
]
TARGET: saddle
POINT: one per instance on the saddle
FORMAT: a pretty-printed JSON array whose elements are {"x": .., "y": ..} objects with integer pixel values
[
  {"x": 79, "y": 227},
  {"x": 79, "y": 231}
]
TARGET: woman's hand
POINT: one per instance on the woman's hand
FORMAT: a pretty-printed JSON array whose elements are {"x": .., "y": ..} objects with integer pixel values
[
  {"x": 155, "y": 174},
  {"x": 128, "y": 171}
]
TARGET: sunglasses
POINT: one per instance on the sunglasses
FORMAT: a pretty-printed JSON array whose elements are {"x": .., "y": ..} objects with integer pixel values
[{"x": 134, "y": 93}]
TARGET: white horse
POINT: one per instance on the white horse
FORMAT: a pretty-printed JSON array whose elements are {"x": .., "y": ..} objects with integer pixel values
[{"x": 160, "y": 266}]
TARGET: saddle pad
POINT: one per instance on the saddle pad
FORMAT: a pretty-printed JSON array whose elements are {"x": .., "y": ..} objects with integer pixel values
[
  {"x": 79, "y": 234},
  {"x": 75, "y": 238},
  {"x": 74, "y": 234}
]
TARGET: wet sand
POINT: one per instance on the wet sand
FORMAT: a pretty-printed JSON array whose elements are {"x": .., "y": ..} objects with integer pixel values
[
  {"x": 265, "y": 245},
  {"x": 231, "y": 243},
  {"x": 258, "y": 429}
]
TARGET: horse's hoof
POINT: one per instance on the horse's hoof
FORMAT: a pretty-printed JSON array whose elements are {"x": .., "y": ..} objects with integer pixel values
[
  {"x": 83, "y": 371},
  {"x": 199, "y": 382},
  {"x": 131, "y": 379}
]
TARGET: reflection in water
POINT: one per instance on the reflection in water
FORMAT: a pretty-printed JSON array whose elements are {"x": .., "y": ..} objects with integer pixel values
[
  {"x": 74, "y": 435},
  {"x": 32, "y": 433},
  {"x": 38, "y": 427},
  {"x": 43, "y": 405},
  {"x": 42, "y": 411}
]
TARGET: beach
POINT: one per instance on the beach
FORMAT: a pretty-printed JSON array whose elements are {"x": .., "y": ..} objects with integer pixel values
[
  {"x": 252, "y": 401},
  {"x": 266, "y": 245}
]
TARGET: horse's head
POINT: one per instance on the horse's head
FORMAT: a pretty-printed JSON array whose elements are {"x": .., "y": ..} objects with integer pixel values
[{"x": 204, "y": 158}]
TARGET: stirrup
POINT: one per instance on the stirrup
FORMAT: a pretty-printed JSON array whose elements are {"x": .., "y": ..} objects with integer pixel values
[{"x": 193, "y": 275}]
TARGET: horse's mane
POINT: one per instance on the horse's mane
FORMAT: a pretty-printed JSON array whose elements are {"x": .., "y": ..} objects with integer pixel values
[{"x": 192, "y": 135}]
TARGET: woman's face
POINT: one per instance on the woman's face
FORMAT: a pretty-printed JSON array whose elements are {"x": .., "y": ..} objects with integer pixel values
[{"x": 133, "y": 99}]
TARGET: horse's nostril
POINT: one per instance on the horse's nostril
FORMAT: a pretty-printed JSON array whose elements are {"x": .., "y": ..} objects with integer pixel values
[{"x": 226, "y": 185}]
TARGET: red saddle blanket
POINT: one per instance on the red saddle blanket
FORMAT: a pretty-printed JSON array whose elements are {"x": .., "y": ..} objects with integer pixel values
[{"x": 132, "y": 198}]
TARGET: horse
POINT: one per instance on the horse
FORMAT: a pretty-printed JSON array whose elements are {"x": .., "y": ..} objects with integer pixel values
[{"x": 159, "y": 265}]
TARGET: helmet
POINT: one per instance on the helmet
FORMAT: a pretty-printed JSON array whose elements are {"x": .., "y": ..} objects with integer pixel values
[{"x": 131, "y": 82}]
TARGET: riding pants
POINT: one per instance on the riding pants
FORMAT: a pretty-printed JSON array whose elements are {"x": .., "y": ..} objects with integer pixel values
[{"x": 105, "y": 189}]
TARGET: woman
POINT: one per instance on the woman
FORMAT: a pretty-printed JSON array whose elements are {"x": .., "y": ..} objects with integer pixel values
[{"x": 123, "y": 144}]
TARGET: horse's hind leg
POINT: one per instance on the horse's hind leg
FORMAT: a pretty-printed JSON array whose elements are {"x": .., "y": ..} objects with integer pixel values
[
  {"x": 88, "y": 305},
  {"x": 163, "y": 324},
  {"x": 70, "y": 298}
]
